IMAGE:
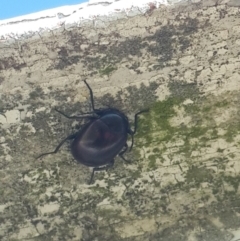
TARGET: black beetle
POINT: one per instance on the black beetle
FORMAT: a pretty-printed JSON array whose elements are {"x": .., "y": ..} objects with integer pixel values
[{"x": 101, "y": 139}]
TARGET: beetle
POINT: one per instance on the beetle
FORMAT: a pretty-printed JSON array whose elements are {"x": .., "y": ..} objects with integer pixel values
[{"x": 101, "y": 139}]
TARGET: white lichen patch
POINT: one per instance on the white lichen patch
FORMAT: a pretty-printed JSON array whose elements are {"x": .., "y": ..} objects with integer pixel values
[
  {"x": 49, "y": 208},
  {"x": 118, "y": 191},
  {"x": 10, "y": 117},
  {"x": 135, "y": 228},
  {"x": 31, "y": 179},
  {"x": 186, "y": 59},
  {"x": 26, "y": 232},
  {"x": 2, "y": 207}
]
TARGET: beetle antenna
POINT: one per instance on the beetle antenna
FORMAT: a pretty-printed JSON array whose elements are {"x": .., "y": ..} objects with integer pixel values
[{"x": 91, "y": 94}]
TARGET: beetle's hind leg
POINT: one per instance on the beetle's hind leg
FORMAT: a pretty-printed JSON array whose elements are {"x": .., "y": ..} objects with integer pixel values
[
  {"x": 58, "y": 147},
  {"x": 95, "y": 169}
]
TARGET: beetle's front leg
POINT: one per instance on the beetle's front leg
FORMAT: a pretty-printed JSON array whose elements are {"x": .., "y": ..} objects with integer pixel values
[
  {"x": 122, "y": 152},
  {"x": 132, "y": 133}
]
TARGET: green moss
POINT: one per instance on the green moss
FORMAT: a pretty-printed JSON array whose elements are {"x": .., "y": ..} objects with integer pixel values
[
  {"x": 108, "y": 70},
  {"x": 186, "y": 149},
  {"x": 136, "y": 174},
  {"x": 155, "y": 128},
  {"x": 205, "y": 197},
  {"x": 158, "y": 121},
  {"x": 220, "y": 150},
  {"x": 207, "y": 108},
  {"x": 234, "y": 181},
  {"x": 192, "y": 109},
  {"x": 221, "y": 104},
  {"x": 197, "y": 131},
  {"x": 152, "y": 162},
  {"x": 214, "y": 133},
  {"x": 231, "y": 155},
  {"x": 232, "y": 130},
  {"x": 215, "y": 190},
  {"x": 199, "y": 175},
  {"x": 156, "y": 150},
  {"x": 229, "y": 136},
  {"x": 109, "y": 213},
  {"x": 156, "y": 132}
]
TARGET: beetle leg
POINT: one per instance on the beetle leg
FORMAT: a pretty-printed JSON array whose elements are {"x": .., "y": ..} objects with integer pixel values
[
  {"x": 132, "y": 133},
  {"x": 58, "y": 147},
  {"x": 132, "y": 141},
  {"x": 136, "y": 119},
  {"x": 85, "y": 115},
  {"x": 95, "y": 169},
  {"x": 122, "y": 152},
  {"x": 91, "y": 94}
]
